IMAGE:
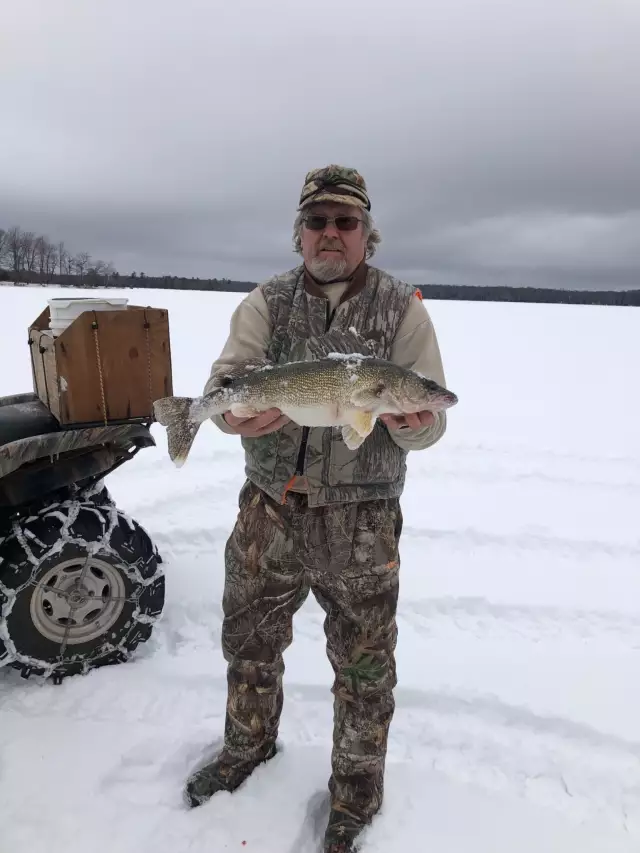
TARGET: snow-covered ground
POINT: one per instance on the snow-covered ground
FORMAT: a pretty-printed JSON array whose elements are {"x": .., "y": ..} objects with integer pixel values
[{"x": 518, "y": 706}]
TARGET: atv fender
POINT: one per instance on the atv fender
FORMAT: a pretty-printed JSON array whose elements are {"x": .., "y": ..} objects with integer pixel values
[{"x": 26, "y": 471}]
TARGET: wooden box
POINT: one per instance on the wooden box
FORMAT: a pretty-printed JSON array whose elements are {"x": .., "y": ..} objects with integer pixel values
[{"x": 105, "y": 367}]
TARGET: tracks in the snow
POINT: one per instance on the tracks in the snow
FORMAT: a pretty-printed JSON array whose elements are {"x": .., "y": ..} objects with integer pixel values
[
  {"x": 467, "y": 736},
  {"x": 552, "y": 761},
  {"x": 469, "y": 537},
  {"x": 488, "y": 620}
]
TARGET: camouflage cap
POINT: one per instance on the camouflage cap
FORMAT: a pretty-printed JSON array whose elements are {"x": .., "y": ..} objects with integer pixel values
[{"x": 334, "y": 183}]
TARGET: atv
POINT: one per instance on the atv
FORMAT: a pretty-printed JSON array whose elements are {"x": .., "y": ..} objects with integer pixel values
[{"x": 81, "y": 583}]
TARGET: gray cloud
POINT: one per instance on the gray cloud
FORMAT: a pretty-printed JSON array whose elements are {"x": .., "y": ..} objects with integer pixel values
[{"x": 499, "y": 140}]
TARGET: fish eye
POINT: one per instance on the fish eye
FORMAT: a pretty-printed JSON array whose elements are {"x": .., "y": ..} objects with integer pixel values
[{"x": 225, "y": 381}]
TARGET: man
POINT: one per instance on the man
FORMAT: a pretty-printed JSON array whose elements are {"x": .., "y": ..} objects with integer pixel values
[{"x": 314, "y": 515}]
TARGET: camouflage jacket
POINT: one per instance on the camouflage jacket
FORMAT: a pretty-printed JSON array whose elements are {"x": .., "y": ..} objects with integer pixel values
[{"x": 374, "y": 305}]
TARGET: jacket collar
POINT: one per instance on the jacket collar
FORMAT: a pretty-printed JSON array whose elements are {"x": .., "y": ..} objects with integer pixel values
[{"x": 355, "y": 283}]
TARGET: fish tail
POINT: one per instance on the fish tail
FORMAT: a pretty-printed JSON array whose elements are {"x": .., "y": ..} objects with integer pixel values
[{"x": 174, "y": 414}]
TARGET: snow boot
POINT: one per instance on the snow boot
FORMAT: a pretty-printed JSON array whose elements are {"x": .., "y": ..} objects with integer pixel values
[
  {"x": 342, "y": 833},
  {"x": 225, "y": 773}
]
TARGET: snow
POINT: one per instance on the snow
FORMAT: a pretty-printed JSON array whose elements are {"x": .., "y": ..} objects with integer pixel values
[{"x": 518, "y": 705}]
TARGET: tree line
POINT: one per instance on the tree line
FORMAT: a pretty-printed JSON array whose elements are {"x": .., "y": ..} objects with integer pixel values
[
  {"x": 504, "y": 293},
  {"x": 26, "y": 257},
  {"x": 29, "y": 257}
]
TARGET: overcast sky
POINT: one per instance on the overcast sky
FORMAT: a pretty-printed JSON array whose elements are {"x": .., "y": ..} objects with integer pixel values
[{"x": 500, "y": 140}]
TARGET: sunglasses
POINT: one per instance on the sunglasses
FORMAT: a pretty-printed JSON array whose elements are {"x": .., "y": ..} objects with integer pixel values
[{"x": 318, "y": 222}]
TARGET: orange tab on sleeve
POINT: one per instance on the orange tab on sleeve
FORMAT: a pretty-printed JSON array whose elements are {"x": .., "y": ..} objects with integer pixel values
[{"x": 419, "y": 294}]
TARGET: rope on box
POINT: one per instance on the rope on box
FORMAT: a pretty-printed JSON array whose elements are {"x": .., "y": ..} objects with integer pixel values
[
  {"x": 147, "y": 325},
  {"x": 94, "y": 326}
]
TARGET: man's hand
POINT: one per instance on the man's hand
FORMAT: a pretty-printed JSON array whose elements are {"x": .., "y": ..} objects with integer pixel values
[
  {"x": 258, "y": 425},
  {"x": 413, "y": 421}
]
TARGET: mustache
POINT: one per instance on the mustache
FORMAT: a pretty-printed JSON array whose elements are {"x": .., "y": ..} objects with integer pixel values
[{"x": 332, "y": 246}]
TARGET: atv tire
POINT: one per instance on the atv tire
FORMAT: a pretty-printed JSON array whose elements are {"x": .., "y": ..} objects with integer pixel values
[{"x": 80, "y": 588}]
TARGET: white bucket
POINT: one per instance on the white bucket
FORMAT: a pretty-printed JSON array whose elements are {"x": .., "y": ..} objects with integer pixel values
[{"x": 64, "y": 311}]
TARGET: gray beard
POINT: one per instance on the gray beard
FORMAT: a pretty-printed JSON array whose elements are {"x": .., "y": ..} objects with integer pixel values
[{"x": 325, "y": 269}]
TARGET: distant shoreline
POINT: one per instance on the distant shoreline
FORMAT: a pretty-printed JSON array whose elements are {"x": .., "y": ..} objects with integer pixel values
[{"x": 465, "y": 293}]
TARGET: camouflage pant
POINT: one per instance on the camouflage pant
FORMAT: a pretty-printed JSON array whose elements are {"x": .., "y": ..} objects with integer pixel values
[{"x": 347, "y": 554}]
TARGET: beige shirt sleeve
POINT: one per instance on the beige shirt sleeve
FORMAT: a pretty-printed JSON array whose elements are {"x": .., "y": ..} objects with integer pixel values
[
  {"x": 415, "y": 347},
  {"x": 249, "y": 335}
]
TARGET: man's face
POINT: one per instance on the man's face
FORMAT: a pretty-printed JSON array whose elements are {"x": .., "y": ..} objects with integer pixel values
[{"x": 330, "y": 253}]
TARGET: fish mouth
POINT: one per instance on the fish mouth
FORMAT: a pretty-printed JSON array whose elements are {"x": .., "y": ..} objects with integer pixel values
[
  {"x": 446, "y": 399},
  {"x": 434, "y": 400},
  {"x": 442, "y": 403}
]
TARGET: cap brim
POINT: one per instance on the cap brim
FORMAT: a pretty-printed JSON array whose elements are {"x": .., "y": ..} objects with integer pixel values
[{"x": 351, "y": 200}]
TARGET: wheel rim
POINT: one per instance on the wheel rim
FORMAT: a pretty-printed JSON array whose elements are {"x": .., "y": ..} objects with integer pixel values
[{"x": 77, "y": 600}]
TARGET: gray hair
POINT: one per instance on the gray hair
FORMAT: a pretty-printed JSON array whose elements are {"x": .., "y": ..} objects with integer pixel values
[{"x": 371, "y": 232}]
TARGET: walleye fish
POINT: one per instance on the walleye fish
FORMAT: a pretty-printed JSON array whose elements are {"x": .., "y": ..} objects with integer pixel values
[{"x": 346, "y": 390}]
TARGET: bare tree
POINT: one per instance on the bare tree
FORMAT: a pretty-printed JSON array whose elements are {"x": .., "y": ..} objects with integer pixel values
[
  {"x": 41, "y": 253},
  {"x": 15, "y": 251},
  {"x": 52, "y": 263},
  {"x": 26, "y": 254},
  {"x": 46, "y": 258},
  {"x": 63, "y": 256},
  {"x": 3, "y": 247},
  {"x": 81, "y": 264},
  {"x": 70, "y": 263},
  {"x": 29, "y": 252},
  {"x": 101, "y": 273}
]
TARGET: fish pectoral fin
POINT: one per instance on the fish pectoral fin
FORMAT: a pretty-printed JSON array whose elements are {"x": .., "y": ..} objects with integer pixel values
[
  {"x": 360, "y": 425},
  {"x": 352, "y": 437},
  {"x": 362, "y": 421}
]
